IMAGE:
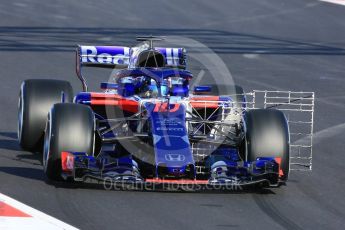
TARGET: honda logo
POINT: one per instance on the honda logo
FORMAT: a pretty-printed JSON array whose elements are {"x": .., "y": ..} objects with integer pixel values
[{"x": 174, "y": 157}]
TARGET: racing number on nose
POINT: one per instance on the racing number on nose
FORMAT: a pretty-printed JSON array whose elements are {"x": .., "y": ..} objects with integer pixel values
[{"x": 163, "y": 107}]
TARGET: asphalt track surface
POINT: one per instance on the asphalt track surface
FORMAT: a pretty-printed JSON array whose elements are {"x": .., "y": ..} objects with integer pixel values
[{"x": 266, "y": 44}]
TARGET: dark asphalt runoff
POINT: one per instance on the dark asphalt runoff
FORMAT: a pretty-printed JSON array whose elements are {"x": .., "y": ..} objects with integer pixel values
[{"x": 268, "y": 44}]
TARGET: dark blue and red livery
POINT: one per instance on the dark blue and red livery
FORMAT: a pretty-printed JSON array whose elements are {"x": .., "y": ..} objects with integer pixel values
[{"x": 149, "y": 126}]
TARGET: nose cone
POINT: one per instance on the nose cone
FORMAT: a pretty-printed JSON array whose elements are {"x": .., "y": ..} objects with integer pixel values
[{"x": 173, "y": 154}]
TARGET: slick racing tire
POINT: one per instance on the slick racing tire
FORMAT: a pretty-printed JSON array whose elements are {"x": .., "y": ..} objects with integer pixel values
[
  {"x": 36, "y": 98},
  {"x": 267, "y": 135},
  {"x": 70, "y": 128}
]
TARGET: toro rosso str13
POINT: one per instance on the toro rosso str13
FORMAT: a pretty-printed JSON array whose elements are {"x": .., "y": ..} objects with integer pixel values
[{"x": 149, "y": 126}]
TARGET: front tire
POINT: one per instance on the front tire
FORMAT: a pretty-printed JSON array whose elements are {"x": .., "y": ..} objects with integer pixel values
[
  {"x": 70, "y": 128},
  {"x": 267, "y": 135}
]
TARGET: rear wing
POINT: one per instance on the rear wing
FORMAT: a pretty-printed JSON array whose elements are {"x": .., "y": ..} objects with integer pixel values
[
  {"x": 121, "y": 57},
  {"x": 103, "y": 56},
  {"x": 100, "y": 56}
]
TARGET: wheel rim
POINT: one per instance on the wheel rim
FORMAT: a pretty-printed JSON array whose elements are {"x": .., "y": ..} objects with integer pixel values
[
  {"x": 20, "y": 116},
  {"x": 46, "y": 145}
]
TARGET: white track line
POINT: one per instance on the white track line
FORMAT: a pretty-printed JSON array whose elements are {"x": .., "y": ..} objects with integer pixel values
[
  {"x": 340, "y": 2},
  {"x": 324, "y": 134},
  {"x": 34, "y": 220}
]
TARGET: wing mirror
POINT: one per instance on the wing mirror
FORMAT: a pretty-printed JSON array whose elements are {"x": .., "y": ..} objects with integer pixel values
[
  {"x": 202, "y": 89},
  {"x": 109, "y": 85}
]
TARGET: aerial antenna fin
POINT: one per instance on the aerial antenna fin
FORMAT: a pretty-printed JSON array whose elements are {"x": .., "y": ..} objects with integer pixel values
[{"x": 150, "y": 39}]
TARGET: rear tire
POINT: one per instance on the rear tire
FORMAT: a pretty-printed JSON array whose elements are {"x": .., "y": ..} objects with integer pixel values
[
  {"x": 267, "y": 135},
  {"x": 70, "y": 128},
  {"x": 36, "y": 98}
]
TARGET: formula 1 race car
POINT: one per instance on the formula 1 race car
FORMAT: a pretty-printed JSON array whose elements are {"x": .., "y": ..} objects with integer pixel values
[{"x": 149, "y": 126}]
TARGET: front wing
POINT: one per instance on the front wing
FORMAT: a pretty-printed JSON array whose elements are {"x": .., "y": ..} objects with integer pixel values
[{"x": 80, "y": 167}]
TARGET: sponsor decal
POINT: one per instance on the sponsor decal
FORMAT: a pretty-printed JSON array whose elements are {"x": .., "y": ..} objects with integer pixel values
[
  {"x": 105, "y": 55},
  {"x": 120, "y": 55},
  {"x": 175, "y": 157},
  {"x": 169, "y": 129}
]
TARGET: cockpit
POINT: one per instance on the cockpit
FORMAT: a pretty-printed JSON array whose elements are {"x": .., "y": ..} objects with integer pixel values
[{"x": 147, "y": 87}]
